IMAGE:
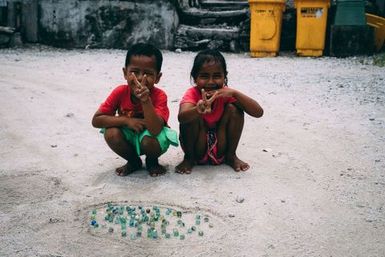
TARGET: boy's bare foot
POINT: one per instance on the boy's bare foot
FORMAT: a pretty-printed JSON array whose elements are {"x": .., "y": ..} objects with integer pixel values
[
  {"x": 154, "y": 168},
  {"x": 129, "y": 168},
  {"x": 185, "y": 167},
  {"x": 237, "y": 164}
]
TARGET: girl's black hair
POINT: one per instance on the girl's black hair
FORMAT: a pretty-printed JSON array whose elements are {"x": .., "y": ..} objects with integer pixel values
[
  {"x": 146, "y": 50},
  {"x": 208, "y": 55}
]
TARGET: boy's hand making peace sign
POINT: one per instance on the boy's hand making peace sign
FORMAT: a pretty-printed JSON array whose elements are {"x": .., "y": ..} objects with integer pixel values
[{"x": 140, "y": 90}]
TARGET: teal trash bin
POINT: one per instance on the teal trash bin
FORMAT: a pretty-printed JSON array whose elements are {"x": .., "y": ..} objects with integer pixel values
[
  {"x": 350, "y": 12},
  {"x": 349, "y": 33}
]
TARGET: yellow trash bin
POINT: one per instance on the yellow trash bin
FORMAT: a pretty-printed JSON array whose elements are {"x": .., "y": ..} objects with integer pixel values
[
  {"x": 378, "y": 23},
  {"x": 311, "y": 26},
  {"x": 265, "y": 27}
]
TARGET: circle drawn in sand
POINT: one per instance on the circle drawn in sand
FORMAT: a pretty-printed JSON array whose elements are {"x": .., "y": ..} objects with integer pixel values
[
  {"x": 28, "y": 188},
  {"x": 155, "y": 224}
]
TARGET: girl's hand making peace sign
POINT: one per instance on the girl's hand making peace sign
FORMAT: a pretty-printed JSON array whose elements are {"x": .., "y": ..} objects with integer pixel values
[{"x": 204, "y": 105}]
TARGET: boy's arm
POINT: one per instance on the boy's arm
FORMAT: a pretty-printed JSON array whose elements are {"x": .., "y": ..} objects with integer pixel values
[
  {"x": 105, "y": 115},
  {"x": 102, "y": 120},
  {"x": 154, "y": 123}
]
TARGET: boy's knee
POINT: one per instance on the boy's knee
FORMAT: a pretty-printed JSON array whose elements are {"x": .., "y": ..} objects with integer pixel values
[
  {"x": 150, "y": 145},
  {"x": 113, "y": 135}
]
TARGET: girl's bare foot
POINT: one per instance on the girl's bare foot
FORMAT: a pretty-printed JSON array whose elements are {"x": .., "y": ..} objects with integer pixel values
[
  {"x": 185, "y": 167},
  {"x": 129, "y": 168},
  {"x": 154, "y": 168},
  {"x": 237, "y": 164}
]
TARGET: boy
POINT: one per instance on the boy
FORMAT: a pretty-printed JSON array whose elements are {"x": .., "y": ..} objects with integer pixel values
[{"x": 140, "y": 126}]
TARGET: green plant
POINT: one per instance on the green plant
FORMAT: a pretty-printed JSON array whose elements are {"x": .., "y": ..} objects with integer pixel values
[{"x": 379, "y": 60}]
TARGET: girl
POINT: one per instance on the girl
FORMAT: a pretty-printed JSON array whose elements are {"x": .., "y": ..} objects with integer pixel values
[{"x": 211, "y": 116}]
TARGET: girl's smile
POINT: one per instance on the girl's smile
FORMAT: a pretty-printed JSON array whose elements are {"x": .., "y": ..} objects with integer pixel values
[{"x": 211, "y": 76}]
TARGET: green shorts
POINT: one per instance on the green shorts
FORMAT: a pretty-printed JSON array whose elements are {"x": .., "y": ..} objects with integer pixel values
[{"x": 166, "y": 137}]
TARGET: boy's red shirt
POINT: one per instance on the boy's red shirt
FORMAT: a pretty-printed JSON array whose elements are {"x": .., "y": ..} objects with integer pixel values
[
  {"x": 120, "y": 101},
  {"x": 193, "y": 95}
]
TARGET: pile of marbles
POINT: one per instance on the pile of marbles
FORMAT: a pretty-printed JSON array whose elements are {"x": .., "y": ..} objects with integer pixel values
[{"x": 147, "y": 222}]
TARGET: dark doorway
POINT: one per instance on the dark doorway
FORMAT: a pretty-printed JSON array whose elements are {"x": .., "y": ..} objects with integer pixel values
[
  {"x": 18, "y": 14},
  {"x": 3, "y": 13}
]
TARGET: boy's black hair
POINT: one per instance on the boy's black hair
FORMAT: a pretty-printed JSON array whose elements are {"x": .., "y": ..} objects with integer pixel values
[
  {"x": 207, "y": 56},
  {"x": 146, "y": 50}
]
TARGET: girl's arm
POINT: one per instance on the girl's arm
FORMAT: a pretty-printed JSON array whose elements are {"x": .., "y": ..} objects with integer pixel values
[
  {"x": 249, "y": 105},
  {"x": 188, "y": 112}
]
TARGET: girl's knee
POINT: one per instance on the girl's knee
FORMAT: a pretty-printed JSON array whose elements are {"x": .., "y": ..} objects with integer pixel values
[
  {"x": 113, "y": 135},
  {"x": 233, "y": 109},
  {"x": 195, "y": 125},
  {"x": 233, "y": 112}
]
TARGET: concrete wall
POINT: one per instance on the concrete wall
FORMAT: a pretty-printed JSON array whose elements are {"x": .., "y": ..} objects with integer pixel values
[
  {"x": 116, "y": 23},
  {"x": 98, "y": 23},
  {"x": 107, "y": 24}
]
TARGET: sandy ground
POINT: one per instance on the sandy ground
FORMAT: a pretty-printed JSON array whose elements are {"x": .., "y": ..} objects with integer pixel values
[{"x": 316, "y": 185}]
